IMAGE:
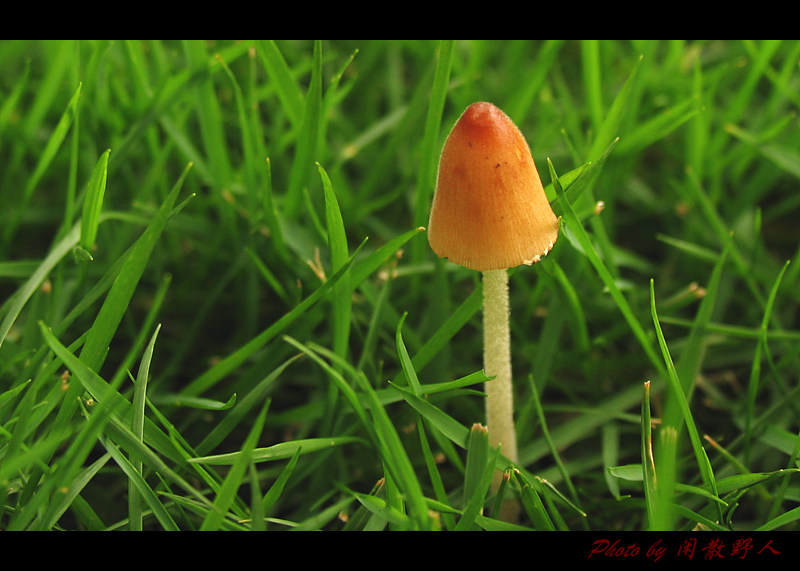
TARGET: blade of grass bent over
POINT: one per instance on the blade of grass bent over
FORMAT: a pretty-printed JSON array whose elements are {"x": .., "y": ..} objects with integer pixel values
[
  {"x": 244, "y": 405},
  {"x": 116, "y": 303},
  {"x": 227, "y": 365},
  {"x": 378, "y": 425},
  {"x": 549, "y": 439},
  {"x": 703, "y": 463},
  {"x": 24, "y": 293},
  {"x": 413, "y": 382},
  {"x": 687, "y": 369},
  {"x": 119, "y": 297},
  {"x": 755, "y": 371},
  {"x": 360, "y": 272},
  {"x": 608, "y": 280}
]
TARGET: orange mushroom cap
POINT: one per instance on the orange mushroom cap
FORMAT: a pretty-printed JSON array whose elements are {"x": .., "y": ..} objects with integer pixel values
[{"x": 489, "y": 210}]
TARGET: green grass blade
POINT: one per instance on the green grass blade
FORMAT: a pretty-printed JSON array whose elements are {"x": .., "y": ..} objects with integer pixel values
[
  {"x": 574, "y": 225},
  {"x": 244, "y": 405},
  {"x": 590, "y": 52},
  {"x": 686, "y": 370},
  {"x": 447, "y": 425},
  {"x": 786, "y": 518},
  {"x": 121, "y": 292},
  {"x": 137, "y": 427},
  {"x": 100, "y": 390},
  {"x": 139, "y": 486},
  {"x": 384, "y": 511},
  {"x": 93, "y": 205},
  {"x": 658, "y": 502},
  {"x": 281, "y": 451},
  {"x": 532, "y": 503},
  {"x": 397, "y": 460},
  {"x": 430, "y": 140},
  {"x": 33, "y": 283},
  {"x": 45, "y": 160},
  {"x": 405, "y": 360},
  {"x": 226, "y": 495},
  {"x": 481, "y": 460},
  {"x": 308, "y": 138},
  {"x": 209, "y": 114},
  {"x": 227, "y": 365},
  {"x": 337, "y": 242},
  {"x": 283, "y": 83},
  {"x": 755, "y": 371},
  {"x": 675, "y": 386},
  {"x": 71, "y": 499},
  {"x": 549, "y": 439}
]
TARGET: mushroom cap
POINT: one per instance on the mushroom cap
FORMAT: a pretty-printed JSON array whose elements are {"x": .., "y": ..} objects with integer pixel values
[{"x": 489, "y": 210}]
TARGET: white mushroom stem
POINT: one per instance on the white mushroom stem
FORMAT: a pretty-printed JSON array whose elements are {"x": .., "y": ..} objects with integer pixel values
[{"x": 497, "y": 363}]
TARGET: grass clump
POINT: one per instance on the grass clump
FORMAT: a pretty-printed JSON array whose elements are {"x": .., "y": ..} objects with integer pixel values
[{"x": 220, "y": 311}]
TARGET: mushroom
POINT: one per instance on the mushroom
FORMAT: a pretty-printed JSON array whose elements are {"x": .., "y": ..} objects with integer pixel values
[{"x": 490, "y": 213}]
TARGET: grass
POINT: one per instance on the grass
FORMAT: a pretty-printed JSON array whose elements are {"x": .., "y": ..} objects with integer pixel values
[{"x": 220, "y": 311}]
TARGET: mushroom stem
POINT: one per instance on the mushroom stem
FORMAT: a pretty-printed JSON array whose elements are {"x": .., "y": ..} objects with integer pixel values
[{"x": 497, "y": 364}]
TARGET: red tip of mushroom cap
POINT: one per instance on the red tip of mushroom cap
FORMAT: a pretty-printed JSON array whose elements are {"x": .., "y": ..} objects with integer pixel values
[{"x": 490, "y": 210}]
